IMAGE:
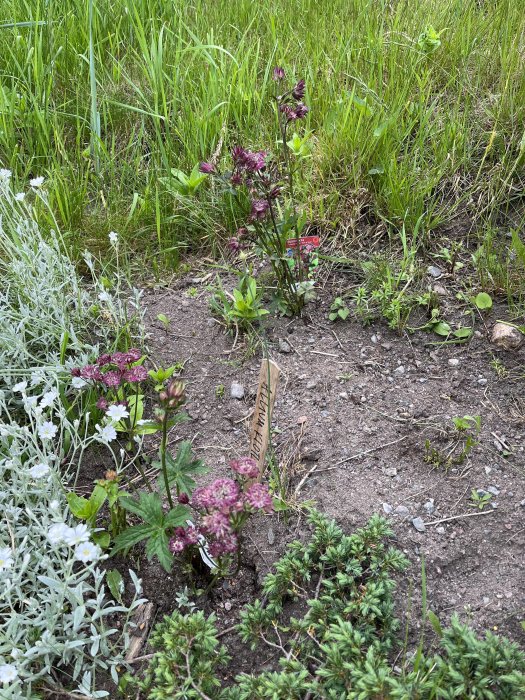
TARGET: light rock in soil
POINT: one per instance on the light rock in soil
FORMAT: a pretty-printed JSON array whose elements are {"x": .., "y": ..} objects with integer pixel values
[
  {"x": 284, "y": 347},
  {"x": 434, "y": 271},
  {"x": 390, "y": 471},
  {"x": 402, "y": 511},
  {"x": 237, "y": 391},
  {"x": 453, "y": 362},
  {"x": 419, "y": 524},
  {"x": 493, "y": 490},
  {"x": 440, "y": 530},
  {"x": 506, "y": 337},
  {"x": 387, "y": 508},
  {"x": 429, "y": 506}
]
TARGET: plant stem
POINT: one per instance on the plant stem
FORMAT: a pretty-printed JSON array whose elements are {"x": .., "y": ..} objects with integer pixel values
[{"x": 163, "y": 449}]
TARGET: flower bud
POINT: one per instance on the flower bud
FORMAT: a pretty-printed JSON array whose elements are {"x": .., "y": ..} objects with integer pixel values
[
  {"x": 163, "y": 396},
  {"x": 176, "y": 391},
  {"x": 184, "y": 498}
]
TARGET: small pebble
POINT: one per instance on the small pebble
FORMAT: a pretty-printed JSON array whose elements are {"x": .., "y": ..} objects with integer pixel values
[
  {"x": 387, "y": 508},
  {"x": 399, "y": 370},
  {"x": 493, "y": 490},
  {"x": 434, "y": 271},
  {"x": 419, "y": 524},
  {"x": 390, "y": 471},
  {"x": 284, "y": 347},
  {"x": 237, "y": 391},
  {"x": 402, "y": 511},
  {"x": 440, "y": 530},
  {"x": 453, "y": 362},
  {"x": 429, "y": 506}
]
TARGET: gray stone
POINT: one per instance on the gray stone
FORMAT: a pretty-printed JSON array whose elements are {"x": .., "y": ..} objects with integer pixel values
[
  {"x": 237, "y": 391},
  {"x": 440, "y": 530},
  {"x": 453, "y": 362},
  {"x": 429, "y": 506},
  {"x": 434, "y": 271},
  {"x": 419, "y": 524},
  {"x": 284, "y": 347},
  {"x": 387, "y": 508},
  {"x": 399, "y": 370},
  {"x": 506, "y": 337},
  {"x": 390, "y": 471},
  {"x": 493, "y": 490},
  {"x": 402, "y": 511}
]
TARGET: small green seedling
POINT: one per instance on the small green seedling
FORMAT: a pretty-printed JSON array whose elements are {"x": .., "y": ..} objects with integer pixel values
[
  {"x": 192, "y": 292},
  {"x": 219, "y": 391},
  {"x": 464, "y": 423},
  {"x": 185, "y": 185},
  {"x": 160, "y": 375},
  {"x": 338, "y": 310},
  {"x": 164, "y": 320},
  {"x": 479, "y": 499},
  {"x": 483, "y": 301}
]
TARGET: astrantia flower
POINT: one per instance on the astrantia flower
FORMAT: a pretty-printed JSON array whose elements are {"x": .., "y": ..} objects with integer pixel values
[
  {"x": 78, "y": 383},
  {"x": 76, "y": 535},
  {"x": 117, "y": 412},
  {"x": 8, "y": 673},
  {"x": 91, "y": 372},
  {"x": 177, "y": 545},
  {"x": 224, "y": 492},
  {"x": 112, "y": 378},
  {"x": 245, "y": 466},
  {"x": 102, "y": 403},
  {"x": 254, "y": 161},
  {"x": 259, "y": 209},
  {"x": 257, "y": 497},
  {"x": 135, "y": 374},
  {"x": 226, "y": 545},
  {"x": 104, "y": 360},
  {"x": 107, "y": 433},
  {"x": 20, "y": 196},
  {"x": 278, "y": 73},
  {"x": 207, "y": 168},
  {"x": 299, "y": 90},
  {"x": 113, "y": 237},
  {"x": 36, "y": 181},
  {"x": 133, "y": 354},
  {"x": 75, "y": 372},
  {"x": 20, "y": 387},
  {"x": 57, "y": 532},
  {"x": 39, "y": 470},
  {"x": 216, "y": 524},
  {"x": 6, "y": 558},
  {"x": 87, "y": 551},
  {"x": 49, "y": 398},
  {"x": 47, "y": 430}
]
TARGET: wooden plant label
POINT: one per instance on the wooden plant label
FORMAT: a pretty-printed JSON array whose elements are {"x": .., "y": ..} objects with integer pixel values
[{"x": 262, "y": 418}]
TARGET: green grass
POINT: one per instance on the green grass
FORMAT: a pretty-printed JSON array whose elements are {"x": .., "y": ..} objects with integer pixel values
[{"x": 105, "y": 108}]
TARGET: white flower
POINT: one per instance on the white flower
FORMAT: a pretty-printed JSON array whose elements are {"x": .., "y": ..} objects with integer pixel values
[
  {"x": 30, "y": 403},
  {"x": 76, "y": 535},
  {"x": 6, "y": 558},
  {"x": 8, "y": 673},
  {"x": 107, "y": 433},
  {"x": 36, "y": 181},
  {"x": 54, "y": 504},
  {"x": 113, "y": 237},
  {"x": 21, "y": 387},
  {"x": 39, "y": 470},
  {"x": 5, "y": 174},
  {"x": 49, "y": 398},
  {"x": 87, "y": 551},
  {"x": 104, "y": 296},
  {"x": 47, "y": 430},
  {"x": 36, "y": 378},
  {"x": 78, "y": 383},
  {"x": 57, "y": 533},
  {"x": 117, "y": 412},
  {"x": 20, "y": 196}
]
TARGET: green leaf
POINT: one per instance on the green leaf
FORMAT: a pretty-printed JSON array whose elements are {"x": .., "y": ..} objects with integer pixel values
[
  {"x": 148, "y": 507},
  {"x": 483, "y": 301},
  {"x": 436, "y": 625},
  {"x": 102, "y": 538},
  {"x": 343, "y": 313},
  {"x": 158, "y": 546},
  {"x": 463, "y": 332},
  {"x": 115, "y": 584},
  {"x": 181, "y": 469},
  {"x": 78, "y": 506},
  {"x": 132, "y": 536},
  {"x": 176, "y": 516},
  {"x": 442, "y": 328}
]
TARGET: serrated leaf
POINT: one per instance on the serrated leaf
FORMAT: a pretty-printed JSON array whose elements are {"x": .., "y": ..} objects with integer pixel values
[
  {"x": 148, "y": 507},
  {"x": 181, "y": 469},
  {"x": 132, "y": 536},
  {"x": 158, "y": 546}
]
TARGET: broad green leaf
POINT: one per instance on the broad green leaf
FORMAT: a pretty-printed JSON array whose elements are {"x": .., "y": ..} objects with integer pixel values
[
  {"x": 149, "y": 507},
  {"x": 158, "y": 546},
  {"x": 442, "y": 328},
  {"x": 78, "y": 505},
  {"x": 132, "y": 536},
  {"x": 181, "y": 469},
  {"x": 115, "y": 584},
  {"x": 483, "y": 301},
  {"x": 465, "y": 332},
  {"x": 434, "y": 621},
  {"x": 343, "y": 313},
  {"x": 176, "y": 516},
  {"x": 102, "y": 538}
]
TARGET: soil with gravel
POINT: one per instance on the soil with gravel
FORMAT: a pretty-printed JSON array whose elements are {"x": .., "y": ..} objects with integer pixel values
[{"x": 355, "y": 408}]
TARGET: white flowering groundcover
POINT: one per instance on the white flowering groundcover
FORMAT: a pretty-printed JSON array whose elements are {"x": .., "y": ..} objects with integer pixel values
[{"x": 56, "y": 613}]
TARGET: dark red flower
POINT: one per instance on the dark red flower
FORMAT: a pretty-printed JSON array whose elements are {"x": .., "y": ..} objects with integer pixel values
[
  {"x": 298, "y": 90},
  {"x": 234, "y": 244},
  {"x": 236, "y": 179},
  {"x": 135, "y": 374},
  {"x": 133, "y": 355},
  {"x": 274, "y": 192},
  {"x": 104, "y": 359},
  {"x": 102, "y": 403},
  {"x": 207, "y": 168},
  {"x": 184, "y": 498},
  {"x": 301, "y": 111},
  {"x": 112, "y": 378},
  {"x": 278, "y": 73},
  {"x": 75, "y": 372},
  {"x": 91, "y": 372},
  {"x": 259, "y": 209}
]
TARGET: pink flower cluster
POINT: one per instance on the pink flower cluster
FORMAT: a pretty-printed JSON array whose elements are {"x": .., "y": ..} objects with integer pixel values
[
  {"x": 113, "y": 370},
  {"x": 223, "y": 507}
]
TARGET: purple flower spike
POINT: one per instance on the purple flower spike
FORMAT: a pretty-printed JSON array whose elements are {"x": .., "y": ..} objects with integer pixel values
[
  {"x": 207, "y": 168},
  {"x": 234, "y": 244},
  {"x": 301, "y": 111},
  {"x": 278, "y": 73},
  {"x": 298, "y": 90},
  {"x": 259, "y": 209}
]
